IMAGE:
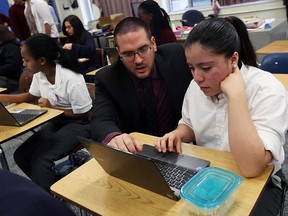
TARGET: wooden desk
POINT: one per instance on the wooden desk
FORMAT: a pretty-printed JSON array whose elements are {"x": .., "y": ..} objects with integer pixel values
[
  {"x": 283, "y": 78},
  {"x": 92, "y": 73},
  {"x": 276, "y": 46},
  {"x": 90, "y": 188},
  {"x": 2, "y": 89},
  {"x": 82, "y": 60},
  {"x": 9, "y": 132}
]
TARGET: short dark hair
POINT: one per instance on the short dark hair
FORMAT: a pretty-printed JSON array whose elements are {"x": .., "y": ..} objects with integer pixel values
[
  {"x": 221, "y": 37},
  {"x": 5, "y": 34},
  {"x": 130, "y": 24}
]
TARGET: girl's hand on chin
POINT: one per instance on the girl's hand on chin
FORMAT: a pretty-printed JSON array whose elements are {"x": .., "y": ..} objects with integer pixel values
[{"x": 233, "y": 84}]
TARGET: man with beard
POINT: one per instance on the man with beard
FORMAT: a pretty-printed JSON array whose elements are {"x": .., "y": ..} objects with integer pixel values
[{"x": 142, "y": 91}]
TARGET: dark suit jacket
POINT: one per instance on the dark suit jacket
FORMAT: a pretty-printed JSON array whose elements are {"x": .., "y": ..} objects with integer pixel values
[
  {"x": 115, "y": 108},
  {"x": 20, "y": 196},
  {"x": 85, "y": 48}
]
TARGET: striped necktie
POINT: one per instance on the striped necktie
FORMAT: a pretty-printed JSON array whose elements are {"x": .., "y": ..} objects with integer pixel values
[{"x": 150, "y": 107}]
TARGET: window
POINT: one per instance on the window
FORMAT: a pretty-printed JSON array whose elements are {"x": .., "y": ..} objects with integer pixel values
[{"x": 178, "y": 5}]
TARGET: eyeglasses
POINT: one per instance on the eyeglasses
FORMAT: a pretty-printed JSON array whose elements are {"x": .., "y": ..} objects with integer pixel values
[{"x": 130, "y": 56}]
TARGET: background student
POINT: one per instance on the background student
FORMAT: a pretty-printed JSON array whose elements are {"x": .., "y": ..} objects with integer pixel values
[
  {"x": 143, "y": 91},
  {"x": 81, "y": 42},
  {"x": 39, "y": 18},
  {"x": 57, "y": 85},
  {"x": 158, "y": 21},
  {"x": 18, "y": 20},
  {"x": 10, "y": 60},
  {"x": 230, "y": 105},
  {"x": 20, "y": 196}
]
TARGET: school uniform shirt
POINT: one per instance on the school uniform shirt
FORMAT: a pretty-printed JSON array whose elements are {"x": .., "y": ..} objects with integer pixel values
[
  {"x": 68, "y": 92},
  {"x": 267, "y": 104},
  {"x": 42, "y": 15}
]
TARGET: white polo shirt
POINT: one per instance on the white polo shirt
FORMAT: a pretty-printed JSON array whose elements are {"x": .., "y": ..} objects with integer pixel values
[
  {"x": 42, "y": 15},
  {"x": 68, "y": 92},
  {"x": 267, "y": 103}
]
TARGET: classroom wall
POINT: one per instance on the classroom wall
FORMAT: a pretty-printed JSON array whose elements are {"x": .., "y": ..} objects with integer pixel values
[
  {"x": 66, "y": 12},
  {"x": 266, "y": 9}
]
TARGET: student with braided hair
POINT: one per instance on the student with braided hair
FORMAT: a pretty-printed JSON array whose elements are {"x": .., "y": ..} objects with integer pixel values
[
  {"x": 57, "y": 83},
  {"x": 158, "y": 21}
]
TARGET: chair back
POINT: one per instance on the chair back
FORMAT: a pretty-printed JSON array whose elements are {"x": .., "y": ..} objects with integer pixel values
[
  {"x": 192, "y": 17},
  {"x": 91, "y": 90},
  {"x": 275, "y": 63},
  {"x": 101, "y": 56}
]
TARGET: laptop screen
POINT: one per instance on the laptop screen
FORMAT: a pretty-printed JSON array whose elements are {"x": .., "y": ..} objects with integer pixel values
[
  {"x": 18, "y": 117},
  {"x": 141, "y": 169}
]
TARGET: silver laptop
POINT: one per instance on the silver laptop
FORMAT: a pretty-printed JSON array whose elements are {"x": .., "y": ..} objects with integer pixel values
[
  {"x": 18, "y": 117},
  {"x": 163, "y": 174}
]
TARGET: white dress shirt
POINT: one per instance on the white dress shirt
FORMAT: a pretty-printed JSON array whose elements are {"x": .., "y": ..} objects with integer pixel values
[{"x": 267, "y": 103}]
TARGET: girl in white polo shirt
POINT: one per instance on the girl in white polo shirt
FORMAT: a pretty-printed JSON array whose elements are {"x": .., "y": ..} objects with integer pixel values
[{"x": 58, "y": 83}]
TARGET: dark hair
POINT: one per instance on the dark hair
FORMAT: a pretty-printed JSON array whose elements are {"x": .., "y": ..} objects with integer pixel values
[
  {"x": 160, "y": 19},
  {"x": 221, "y": 37},
  {"x": 41, "y": 45},
  {"x": 78, "y": 28},
  {"x": 6, "y": 35},
  {"x": 130, "y": 24},
  {"x": 247, "y": 51}
]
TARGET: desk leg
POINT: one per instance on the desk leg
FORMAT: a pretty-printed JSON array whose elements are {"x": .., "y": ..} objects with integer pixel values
[{"x": 3, "y": 161}]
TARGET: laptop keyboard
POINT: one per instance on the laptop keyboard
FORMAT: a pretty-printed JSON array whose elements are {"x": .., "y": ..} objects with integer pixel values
[
  {"x": 174, "y": 175},
  {"x": 20, "y": 117}
]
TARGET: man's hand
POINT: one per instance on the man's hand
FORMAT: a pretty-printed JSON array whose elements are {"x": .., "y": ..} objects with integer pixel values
[
  {"x": 169, "y": 142},
  {"x": 125, "y": 142}
]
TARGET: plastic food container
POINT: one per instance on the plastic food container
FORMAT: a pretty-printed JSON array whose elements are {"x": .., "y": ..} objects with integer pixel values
[{"x": 211, "y": 191}]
